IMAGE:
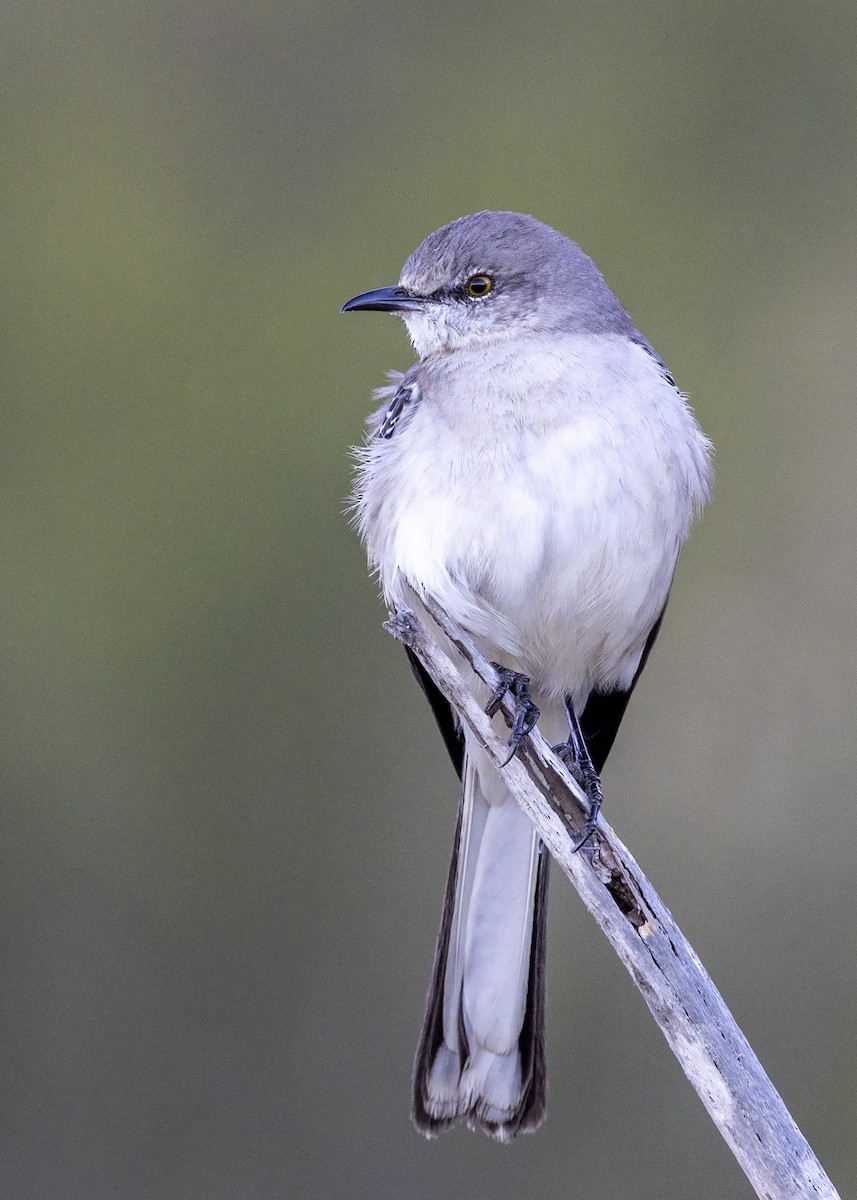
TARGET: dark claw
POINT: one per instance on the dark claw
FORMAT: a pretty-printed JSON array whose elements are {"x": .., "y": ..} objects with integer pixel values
[
  {"x": 526, "y": 713},
  {"x": 505, "y": 679},
  {"x": 588, "y": 830}
]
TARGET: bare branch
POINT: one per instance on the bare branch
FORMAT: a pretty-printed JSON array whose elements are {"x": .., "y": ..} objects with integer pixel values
[{"x": 703, "y": 1035}]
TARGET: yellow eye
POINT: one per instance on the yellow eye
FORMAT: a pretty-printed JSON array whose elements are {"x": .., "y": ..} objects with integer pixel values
[{"x": 479, "y": 285}]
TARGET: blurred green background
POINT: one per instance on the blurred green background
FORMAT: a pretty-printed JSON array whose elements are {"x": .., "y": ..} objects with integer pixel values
[{"x": 226, "y": 814}]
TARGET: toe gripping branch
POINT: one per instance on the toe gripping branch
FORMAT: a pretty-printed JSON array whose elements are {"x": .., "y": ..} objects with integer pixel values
[
  {"x": 575, "y": 755},
  {"x": 517, "y": 686}
]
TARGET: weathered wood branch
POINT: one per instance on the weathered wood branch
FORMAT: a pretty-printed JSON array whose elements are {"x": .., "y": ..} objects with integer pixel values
[{"x": 703, "y": 1035}]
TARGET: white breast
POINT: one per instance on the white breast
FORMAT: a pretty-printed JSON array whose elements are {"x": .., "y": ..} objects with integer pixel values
[{"x": 542, "y": 496}]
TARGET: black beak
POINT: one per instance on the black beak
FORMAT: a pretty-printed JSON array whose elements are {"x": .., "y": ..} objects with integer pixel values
[{"x": 386, "y": 299}]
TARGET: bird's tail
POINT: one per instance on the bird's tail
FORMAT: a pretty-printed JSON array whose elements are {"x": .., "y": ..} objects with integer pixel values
[{"x": 481, "y": 1056}]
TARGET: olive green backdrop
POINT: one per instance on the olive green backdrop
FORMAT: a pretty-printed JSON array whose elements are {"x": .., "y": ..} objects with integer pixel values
[{"x": 226, "y": 815}]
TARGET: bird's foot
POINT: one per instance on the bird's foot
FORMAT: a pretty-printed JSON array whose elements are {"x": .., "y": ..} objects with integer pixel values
[
  {"x": 526, "y": 714},
  {"x": 577, "y": 759}
]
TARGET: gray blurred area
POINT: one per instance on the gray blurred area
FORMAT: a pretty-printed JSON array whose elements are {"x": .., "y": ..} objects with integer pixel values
[{"x": 226, "y": 814}]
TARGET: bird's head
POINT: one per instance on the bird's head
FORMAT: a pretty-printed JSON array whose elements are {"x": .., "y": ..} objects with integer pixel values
[{"x": 494, "y": 275}]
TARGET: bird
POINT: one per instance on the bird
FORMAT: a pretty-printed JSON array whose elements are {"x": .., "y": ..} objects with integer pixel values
[{"x": 536, "y": 472}]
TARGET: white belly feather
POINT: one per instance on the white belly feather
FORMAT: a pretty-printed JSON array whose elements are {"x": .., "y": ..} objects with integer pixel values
[{"x": 553, "y": 541}]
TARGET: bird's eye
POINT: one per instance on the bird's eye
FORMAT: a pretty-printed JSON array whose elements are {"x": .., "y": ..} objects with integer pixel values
[{"x": 479, "y": 285}]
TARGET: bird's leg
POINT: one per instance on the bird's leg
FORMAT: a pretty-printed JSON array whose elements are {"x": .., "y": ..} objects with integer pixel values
[
  {"x": 575, "y": 755},
  {"x": 526, "y": 713}
]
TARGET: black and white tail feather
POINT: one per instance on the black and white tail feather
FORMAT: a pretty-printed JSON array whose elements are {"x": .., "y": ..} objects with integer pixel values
[{"x": 481, "y": 1053}]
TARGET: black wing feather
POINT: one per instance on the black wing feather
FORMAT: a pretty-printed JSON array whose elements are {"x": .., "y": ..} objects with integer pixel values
[
  {"x": 440, "y": 706},
  {"x": 604, "y": 711}
]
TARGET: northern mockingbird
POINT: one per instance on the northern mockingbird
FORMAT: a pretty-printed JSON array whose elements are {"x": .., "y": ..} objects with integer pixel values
[{"x": 536, "y": 471}]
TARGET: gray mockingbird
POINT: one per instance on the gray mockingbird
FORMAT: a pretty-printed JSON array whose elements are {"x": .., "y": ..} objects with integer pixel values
[{"x": 536, "y": 472}]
